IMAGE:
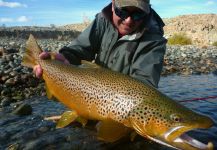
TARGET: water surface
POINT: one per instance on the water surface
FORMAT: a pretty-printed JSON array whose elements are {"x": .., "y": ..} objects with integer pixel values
[{"x": 188, "y": 90}]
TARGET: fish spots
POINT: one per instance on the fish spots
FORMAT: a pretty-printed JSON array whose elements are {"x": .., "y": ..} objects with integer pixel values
[
  {"x": 149, "y": 113},
  {"x": 108, "y": 93}
]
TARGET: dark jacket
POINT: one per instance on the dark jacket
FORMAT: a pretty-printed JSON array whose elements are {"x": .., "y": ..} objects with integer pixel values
[{"x": 139, "y": 54}]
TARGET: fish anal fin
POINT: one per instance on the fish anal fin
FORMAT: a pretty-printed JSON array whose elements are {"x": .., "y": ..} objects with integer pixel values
[
  {"x": 111, "y": 131},
  {"x": 88, "y": 64},
  {"x": 48, "y": 92},
  {"x": 82, "y": 120},
  {"x": 67, "y": 118}
]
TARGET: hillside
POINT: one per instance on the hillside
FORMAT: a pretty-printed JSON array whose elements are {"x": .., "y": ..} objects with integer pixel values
[{"x": 201, "y": 28}]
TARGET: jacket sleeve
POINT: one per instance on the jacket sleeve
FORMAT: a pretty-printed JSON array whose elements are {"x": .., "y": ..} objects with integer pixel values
[
  {"x": 147, "y": 62},
  {"x": 85, "y": 46}
]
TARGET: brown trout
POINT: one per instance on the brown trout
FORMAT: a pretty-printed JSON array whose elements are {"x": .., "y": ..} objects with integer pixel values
[{"x": 120, "y": 103}]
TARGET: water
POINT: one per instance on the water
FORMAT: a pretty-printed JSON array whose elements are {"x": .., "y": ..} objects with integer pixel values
[{"x": 182, "y": 88}]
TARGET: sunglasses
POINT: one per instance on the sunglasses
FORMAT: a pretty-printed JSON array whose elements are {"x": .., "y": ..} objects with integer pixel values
[{"x": 124, "y": 14}]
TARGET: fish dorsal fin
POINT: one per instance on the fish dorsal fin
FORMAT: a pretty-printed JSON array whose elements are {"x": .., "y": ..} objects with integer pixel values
[
  {"x": 88, "y": 64},
  {"x": 67, "y": 118},
  {"x": 111, "y": 131}
]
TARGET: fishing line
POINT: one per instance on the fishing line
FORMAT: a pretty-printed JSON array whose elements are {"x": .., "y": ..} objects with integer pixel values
[{"x": 199, "y": 99}]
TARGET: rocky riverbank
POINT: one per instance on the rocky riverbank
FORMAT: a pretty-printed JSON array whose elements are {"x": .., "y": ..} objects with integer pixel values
[{"x": 38, "y": 32}]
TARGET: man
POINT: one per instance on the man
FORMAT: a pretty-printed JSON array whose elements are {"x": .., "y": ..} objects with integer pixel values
[{"x": 127, "y": 36}]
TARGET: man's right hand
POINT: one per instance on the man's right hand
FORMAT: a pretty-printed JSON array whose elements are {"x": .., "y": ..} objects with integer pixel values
[{"x": 48, "y": 55}]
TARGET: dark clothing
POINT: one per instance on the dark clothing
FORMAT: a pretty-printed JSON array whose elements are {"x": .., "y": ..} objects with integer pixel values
[{"x": 139, "y": 54}]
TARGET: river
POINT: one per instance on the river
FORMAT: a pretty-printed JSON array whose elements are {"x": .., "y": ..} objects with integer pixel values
[{"x": 188, "y": 90}]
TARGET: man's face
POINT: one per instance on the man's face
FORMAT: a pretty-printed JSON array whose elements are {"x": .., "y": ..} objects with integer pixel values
[{"x": 127, "y": 25}]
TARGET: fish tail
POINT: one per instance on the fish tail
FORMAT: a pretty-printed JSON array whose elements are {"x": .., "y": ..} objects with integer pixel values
[{"x": 31, "y": 55}]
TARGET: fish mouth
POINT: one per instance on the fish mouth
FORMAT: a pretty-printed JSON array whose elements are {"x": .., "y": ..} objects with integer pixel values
[
  {"x": 179, "y": 139},
  {"x": 185, "y": 139}
]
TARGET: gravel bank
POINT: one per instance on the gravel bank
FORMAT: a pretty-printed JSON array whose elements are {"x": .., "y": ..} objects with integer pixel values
[
  {"x": 190, "y": 59},
  {"x": 39, "y": 32}
]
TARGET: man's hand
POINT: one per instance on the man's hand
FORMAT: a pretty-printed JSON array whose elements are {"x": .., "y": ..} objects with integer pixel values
[{"x": 47, "y": 55}]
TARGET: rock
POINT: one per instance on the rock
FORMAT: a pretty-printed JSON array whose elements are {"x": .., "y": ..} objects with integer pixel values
[
  {"x": 13, "y": 73},
  {"x": 2, "y": 50},
  {"x": 14, "y": 146},
  {"x": 11, "y": 50},
  {"x": 10, "y": 82},
  {"x": 18, "y": 96},
  {"x": 8, "y": 57},
  {"x": 5, "y": 102},
  {"x": 4, "y": 78},
  {"x": 7, "y": 69},
  {"x": 11, "y": 64},
  {"x": 6, "y": 91},
  {"x": 23, "y": 109},
  {"x": 18, "y": 69}
]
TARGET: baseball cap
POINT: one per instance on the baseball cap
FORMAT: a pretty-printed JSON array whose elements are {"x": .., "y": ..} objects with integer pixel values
[{"x": 141, "y": 4}]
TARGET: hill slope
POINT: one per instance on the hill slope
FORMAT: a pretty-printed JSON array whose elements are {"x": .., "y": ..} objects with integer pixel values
[{"x": 201, "y": 28}]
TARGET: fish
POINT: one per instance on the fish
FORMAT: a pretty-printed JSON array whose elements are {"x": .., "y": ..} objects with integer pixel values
[{"x": 122, "y": 105}]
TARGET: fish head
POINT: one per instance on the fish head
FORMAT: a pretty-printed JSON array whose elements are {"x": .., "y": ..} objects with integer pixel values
[{"x": 167, "y": 122}]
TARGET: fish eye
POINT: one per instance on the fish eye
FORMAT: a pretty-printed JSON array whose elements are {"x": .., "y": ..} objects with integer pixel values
[{"x": 175, "y": 118}]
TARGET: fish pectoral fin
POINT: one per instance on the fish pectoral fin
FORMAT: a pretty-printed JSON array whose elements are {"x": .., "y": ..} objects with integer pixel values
[
  {"x": 48, "y": 92},
  {"x": 67, "y": 118},
  {"x": 88, "y": 64},
  {"x": 133, "y": 136},
  {"x": 138, "y": 127},
  {"x": 111, "y": 131}
]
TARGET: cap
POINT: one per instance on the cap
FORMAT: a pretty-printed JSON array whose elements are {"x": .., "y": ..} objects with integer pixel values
[{"x": 141, "y": 4}]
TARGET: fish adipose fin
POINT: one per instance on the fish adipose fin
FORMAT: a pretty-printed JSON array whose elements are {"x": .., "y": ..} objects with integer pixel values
[
  {"x": 31, "y": 55},
  {"x": 111, "y": 131},
  {"x": 69, "y": 117}
]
